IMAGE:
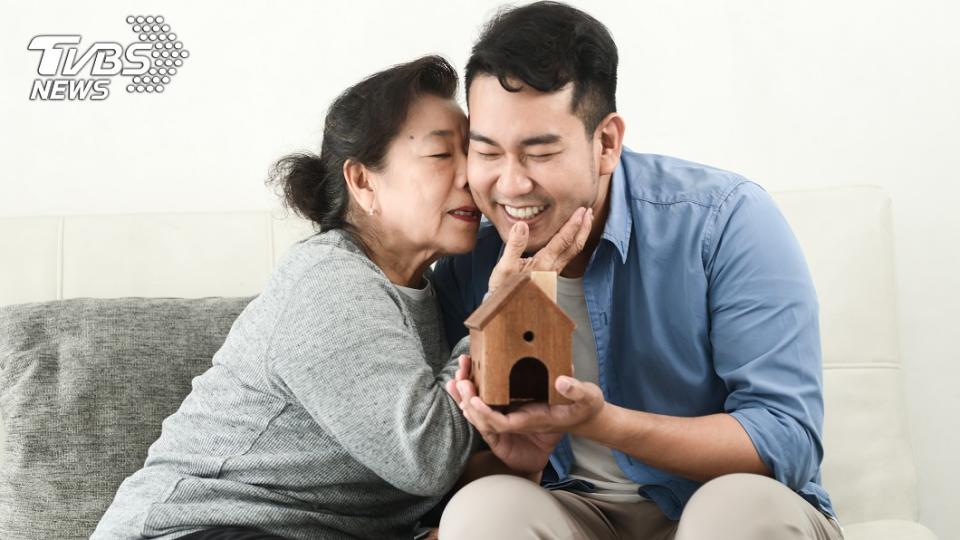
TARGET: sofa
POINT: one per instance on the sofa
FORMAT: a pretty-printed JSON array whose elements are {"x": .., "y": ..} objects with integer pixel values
[{"x": 104, "y": 320}]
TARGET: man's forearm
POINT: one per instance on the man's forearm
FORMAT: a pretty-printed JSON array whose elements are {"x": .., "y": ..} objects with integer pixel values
[{"x": 699, "y": 448}]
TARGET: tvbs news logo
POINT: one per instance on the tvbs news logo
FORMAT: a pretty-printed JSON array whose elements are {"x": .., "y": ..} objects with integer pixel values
[{"x": 69, "y": 72}]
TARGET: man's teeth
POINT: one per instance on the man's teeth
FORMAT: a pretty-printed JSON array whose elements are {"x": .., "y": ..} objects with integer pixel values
[{"x": 525, "y": 212}]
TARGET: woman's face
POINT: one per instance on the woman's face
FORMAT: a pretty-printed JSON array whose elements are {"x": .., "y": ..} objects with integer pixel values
[{"x": 421, "y": 193}]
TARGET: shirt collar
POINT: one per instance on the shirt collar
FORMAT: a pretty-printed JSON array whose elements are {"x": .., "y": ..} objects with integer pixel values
[{"x": 619, "y": 220}]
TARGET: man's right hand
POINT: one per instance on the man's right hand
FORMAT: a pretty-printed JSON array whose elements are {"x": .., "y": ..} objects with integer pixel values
[{"x": 524, "y": 454}]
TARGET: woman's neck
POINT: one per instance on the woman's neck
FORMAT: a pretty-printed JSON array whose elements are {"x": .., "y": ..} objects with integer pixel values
[
  {"x": 402, "y": 267},
  {"x": 400, "y": 272}
]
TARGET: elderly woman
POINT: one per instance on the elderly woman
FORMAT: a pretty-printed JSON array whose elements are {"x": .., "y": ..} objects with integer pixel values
[{"x": 324, "y": 414}]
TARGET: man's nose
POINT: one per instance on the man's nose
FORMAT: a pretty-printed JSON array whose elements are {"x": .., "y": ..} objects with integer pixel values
[{"x": 513, "y": 181}]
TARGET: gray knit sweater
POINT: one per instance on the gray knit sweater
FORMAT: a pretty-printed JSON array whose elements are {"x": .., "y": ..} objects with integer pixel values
[{"x": 323, "y": 415}]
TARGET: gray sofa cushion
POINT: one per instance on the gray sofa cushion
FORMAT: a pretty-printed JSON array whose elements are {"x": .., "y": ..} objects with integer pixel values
[{"x": 84, "y": 387}]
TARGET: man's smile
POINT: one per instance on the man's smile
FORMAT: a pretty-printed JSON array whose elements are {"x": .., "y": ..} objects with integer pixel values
[{"x": 524, "y": 213}]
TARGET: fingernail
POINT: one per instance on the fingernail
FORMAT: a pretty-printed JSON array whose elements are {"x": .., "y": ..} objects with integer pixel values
[{"x": 563, "y": 384}]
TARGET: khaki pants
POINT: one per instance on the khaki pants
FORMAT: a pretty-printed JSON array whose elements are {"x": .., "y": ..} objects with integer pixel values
[{"x": 735, "y": 506}]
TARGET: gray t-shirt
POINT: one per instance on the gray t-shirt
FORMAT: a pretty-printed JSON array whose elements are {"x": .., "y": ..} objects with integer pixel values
[
  {"x": 323, "y": 416},
  {"x": 592, "y": 461}
]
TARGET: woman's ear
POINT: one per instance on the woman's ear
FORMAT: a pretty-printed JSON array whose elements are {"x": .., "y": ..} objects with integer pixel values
[
  {"x": 608, "y": 141},
  {"x": 362, "y": 186}
]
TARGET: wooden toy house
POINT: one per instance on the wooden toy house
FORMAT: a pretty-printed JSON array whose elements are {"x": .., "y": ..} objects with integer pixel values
[{"x": 521, "y": 341}]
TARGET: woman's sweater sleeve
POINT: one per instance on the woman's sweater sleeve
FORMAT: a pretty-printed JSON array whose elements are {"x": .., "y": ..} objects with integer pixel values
[{"x": 344, "y": 349}]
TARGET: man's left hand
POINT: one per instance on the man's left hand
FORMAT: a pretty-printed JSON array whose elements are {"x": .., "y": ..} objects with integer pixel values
[{"x": 587, "y": 404}]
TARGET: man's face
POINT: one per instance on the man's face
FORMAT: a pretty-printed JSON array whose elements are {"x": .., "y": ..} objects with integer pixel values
[{"x": 529, "y": 158}]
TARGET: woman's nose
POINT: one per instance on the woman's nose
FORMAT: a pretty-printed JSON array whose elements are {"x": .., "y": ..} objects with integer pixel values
[{"x": 460, "y": 178}]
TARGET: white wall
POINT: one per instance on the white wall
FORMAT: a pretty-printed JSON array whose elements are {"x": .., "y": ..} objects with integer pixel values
[{"x": 791, "y": 94}]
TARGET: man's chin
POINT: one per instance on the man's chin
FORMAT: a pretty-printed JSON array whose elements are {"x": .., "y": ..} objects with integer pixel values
[{"x": 535, "y": 242}]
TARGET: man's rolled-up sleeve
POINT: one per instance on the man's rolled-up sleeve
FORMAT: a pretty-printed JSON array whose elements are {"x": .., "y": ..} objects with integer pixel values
[{"x": 765, "y": 332}]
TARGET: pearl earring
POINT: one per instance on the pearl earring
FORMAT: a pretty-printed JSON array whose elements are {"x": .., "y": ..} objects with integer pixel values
[{"x": 370, "y": 211}]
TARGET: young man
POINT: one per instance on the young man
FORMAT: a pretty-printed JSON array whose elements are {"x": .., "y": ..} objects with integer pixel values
[{"x": 697, "y": 404}]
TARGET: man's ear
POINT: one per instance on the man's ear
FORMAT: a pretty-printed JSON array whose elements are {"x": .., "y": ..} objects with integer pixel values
[
  {"x": 361, "y": 185},
  {"x": 608, "y": 140}
]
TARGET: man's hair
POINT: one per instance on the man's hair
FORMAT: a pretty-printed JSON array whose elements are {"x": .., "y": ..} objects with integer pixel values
[{"x": 547, "y": 45}]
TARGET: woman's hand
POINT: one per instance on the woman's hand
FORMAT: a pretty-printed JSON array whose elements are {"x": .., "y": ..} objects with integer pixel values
[
  {"x": 564, "y": 246},
  {"x": 524, "y": 454}
]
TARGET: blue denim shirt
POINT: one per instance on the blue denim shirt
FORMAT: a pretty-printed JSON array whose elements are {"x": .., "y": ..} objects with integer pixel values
[{"x": 701, "y": 302}]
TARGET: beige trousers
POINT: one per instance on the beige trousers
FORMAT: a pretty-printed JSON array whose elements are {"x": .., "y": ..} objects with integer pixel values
[{"x": 735, "y": 506}]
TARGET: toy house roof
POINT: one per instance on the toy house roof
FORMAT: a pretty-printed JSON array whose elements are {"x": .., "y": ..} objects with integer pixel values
[{"x": 492, "y": 305}]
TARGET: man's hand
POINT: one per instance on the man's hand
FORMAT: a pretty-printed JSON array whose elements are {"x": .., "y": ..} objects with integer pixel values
[
  {"x": 526, "y": 454},
  {"x": 538, "y": 418},
  {"x": 562, "y": 248}
]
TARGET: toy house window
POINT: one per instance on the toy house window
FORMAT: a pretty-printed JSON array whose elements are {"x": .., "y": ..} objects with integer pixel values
[{"x": 528, "y": 336}]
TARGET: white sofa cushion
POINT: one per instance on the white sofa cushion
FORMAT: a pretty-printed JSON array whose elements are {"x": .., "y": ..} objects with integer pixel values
[{"x": 846, "y": 236}]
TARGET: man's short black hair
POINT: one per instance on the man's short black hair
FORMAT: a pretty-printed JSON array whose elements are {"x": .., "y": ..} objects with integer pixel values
[{"x": 547, "y": 45}]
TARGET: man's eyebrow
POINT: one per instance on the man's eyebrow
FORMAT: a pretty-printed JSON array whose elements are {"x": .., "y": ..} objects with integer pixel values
[
  {"x": 541, "y": 139},
  {"x": 474, "y": 136},
  {"x": 547, "y": 138}
]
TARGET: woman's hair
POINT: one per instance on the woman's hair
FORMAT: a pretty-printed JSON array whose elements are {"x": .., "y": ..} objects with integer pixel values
[{"x": 359, "y": 126}]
